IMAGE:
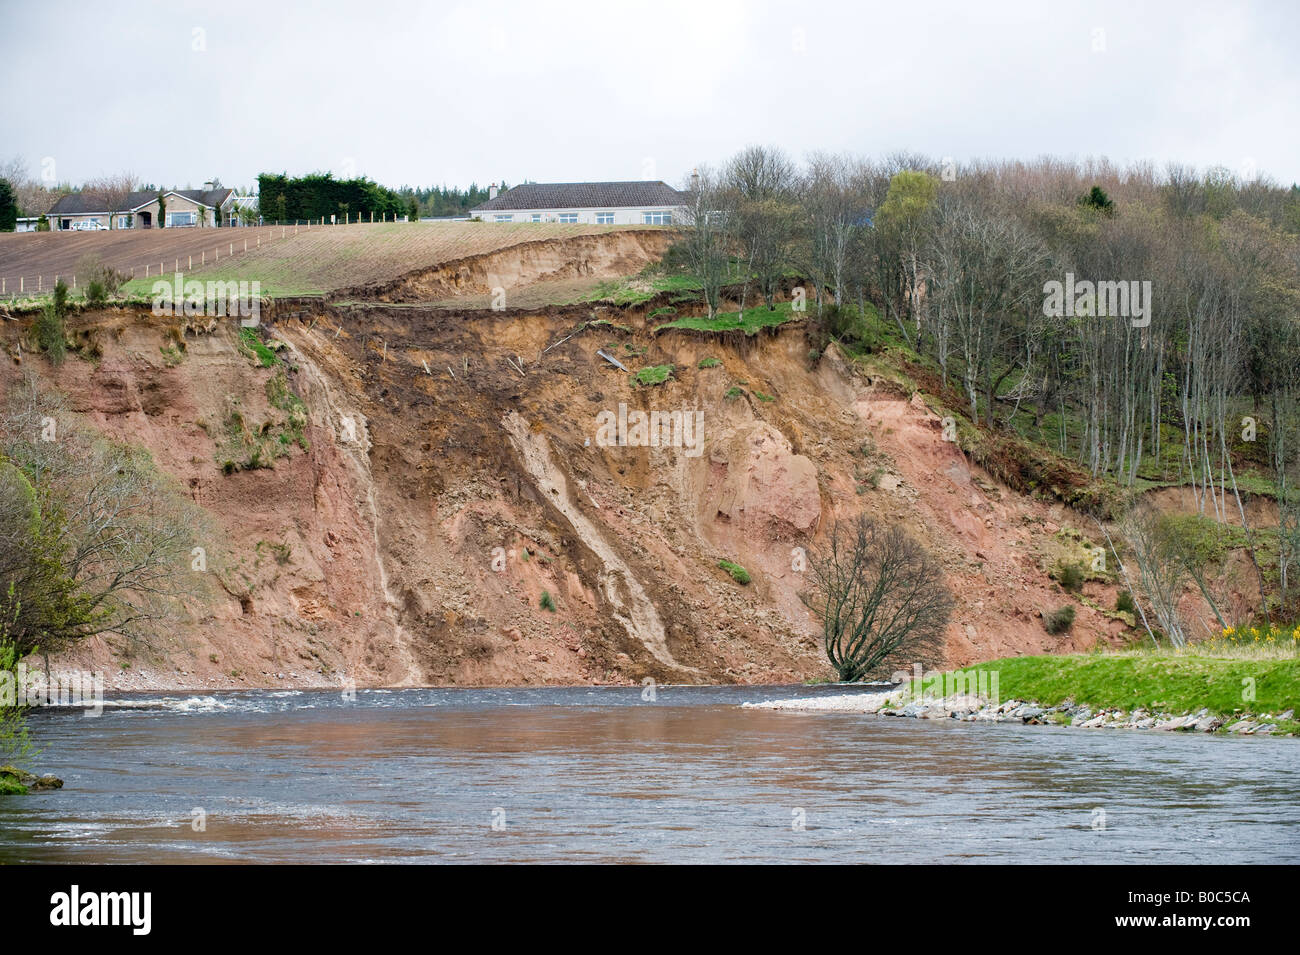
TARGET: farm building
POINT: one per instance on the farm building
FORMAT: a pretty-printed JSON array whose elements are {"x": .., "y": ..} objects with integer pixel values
[
  {"x": 208, "y": 206},
  {"x": 595, "y": 203}
]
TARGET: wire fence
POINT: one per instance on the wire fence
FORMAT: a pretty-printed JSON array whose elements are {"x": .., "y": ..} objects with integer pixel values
[{"x": 26, "y": 285}]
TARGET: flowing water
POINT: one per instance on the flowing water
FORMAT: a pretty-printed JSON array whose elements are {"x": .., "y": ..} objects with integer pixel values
[{"x": 601, "y": 775}]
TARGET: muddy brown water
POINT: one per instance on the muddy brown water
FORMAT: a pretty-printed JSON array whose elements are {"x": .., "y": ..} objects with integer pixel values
[{"x": 605, "y": 775}]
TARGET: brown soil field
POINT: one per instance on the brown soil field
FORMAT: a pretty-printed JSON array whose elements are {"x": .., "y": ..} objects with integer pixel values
[
  {"x": 369, "y": 260},
  {"x": 45, "y": 255},
  {"x": 531, "y": 272}
]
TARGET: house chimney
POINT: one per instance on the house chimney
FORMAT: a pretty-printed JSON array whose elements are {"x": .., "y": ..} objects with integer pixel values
[
  {"x": 492, "y": 191},
  {"x": 695, "y": 180},
  {"x": 208, "y": 187}
]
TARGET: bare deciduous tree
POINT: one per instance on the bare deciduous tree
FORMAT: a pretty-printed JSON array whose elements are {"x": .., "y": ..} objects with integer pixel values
[
  {"x": 1161, "y": 576},
  {"x": 113, "y": 190},
  {"x": 881, "y": 598},
  {"x": 33, "y": 196},
  {"x": 835, "y": 212},
  {"x": 986, "y": 273},
  {"x": 761, "y": 187},
  {"x": 706, "y": 241}
]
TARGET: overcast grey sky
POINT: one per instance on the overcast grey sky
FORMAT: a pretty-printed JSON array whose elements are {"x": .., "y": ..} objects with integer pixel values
[{"x": 444, "y": 92}]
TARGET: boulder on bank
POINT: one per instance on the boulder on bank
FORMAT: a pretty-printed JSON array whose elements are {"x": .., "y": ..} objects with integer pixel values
[{"x": 17, "y": 782}]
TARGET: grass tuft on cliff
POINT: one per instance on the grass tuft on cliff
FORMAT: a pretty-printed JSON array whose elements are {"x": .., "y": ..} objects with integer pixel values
[
  {"x": 254, "y": 346},
  {"x": 751, "y": 322},
  {"x": 654, "y": 375},
  {"x": 739, "y": 574}
]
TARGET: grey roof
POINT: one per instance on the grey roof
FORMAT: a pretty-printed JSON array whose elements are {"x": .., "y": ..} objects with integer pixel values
[
  {"x": 584, "y": 195},
  {"x": 87, "y": 203}
]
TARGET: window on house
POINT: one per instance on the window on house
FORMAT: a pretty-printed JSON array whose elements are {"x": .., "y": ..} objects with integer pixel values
[
  {"x": 658, "y": 218},
  {"x": 604, "y": 218},
  {"x": 179, "y": 219},
  {"x": 126, "y": 222},
  {"x": 537, "y": 217},
  {"x": 509, "y": 218},
  {"x": 568, "y": 217}
]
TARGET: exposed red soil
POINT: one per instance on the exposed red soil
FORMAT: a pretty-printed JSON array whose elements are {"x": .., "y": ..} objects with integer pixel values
[
  {"x": 392, "y": 527},
  {"x": 455, "y": 473}
]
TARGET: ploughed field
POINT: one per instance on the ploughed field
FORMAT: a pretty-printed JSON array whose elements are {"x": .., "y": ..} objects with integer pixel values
[
  {"x": 287, "y": 260},
  {"x": 50, "y": 254}
]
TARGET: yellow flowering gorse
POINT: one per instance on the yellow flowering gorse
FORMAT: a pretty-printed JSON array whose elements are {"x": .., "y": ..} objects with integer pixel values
[{"x": 1252, "y": 636}]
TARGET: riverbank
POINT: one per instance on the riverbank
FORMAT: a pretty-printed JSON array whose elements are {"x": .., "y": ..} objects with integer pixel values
[{"x": 1162, "y": 691}]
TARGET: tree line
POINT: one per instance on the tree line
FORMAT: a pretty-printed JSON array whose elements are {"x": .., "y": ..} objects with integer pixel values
[
  {"x": 1026, "y": 284},
  {"x": 444, "y": 201},
  {"x": 321, "y": 196}
]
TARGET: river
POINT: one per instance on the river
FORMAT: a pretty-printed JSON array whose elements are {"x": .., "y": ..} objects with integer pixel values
[{"x": 603, "y": 775}]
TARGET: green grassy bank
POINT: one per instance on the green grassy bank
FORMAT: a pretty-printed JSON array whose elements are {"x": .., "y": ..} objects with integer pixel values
[{"x": 1161, "y": 682}]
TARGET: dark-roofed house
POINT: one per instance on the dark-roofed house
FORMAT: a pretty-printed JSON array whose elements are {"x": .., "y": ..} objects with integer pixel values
[
  {"x": 641, "y": 202},
  {"x": 182, "y": 208}
]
